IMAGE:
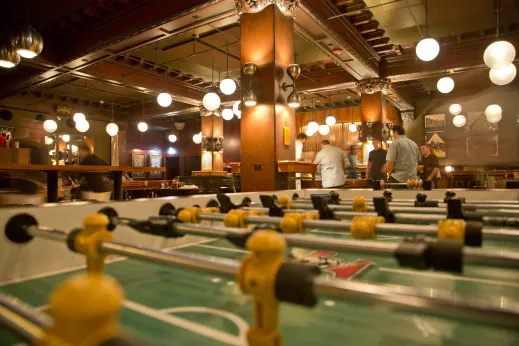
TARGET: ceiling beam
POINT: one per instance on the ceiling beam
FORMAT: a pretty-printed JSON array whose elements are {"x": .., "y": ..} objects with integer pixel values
[
  {"x": 341, "y": 30},
  {"x": 156, "y": 21}
]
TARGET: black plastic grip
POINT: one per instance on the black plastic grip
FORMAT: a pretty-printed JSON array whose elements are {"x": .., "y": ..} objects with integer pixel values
[
  {"x": 474, "y": 233},
  {"x": 71, "y": 239},
  {"x": 294, "y": 284},
  {"x": 413, "y": 253},
  {"x": 446, "y": 255},
  {"x": 16, "y": 228}
]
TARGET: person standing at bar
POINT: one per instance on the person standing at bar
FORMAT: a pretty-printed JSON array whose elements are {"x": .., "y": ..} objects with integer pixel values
[
  {"x": 429, "y": 165},
  {"x": 402, "y": 158},
  {"x": 376, "y": 162},
  {"x": 331, "y": 162},
  {"x": 300, "y": 156},
  {"x": 94, "y": 186}
]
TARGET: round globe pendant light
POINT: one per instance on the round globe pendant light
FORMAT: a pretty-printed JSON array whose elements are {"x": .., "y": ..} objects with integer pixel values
[
  {"x": 330, "y": 120},
  {"x": 313, "y": 126},
  {"x": 324, "y": 130},
  {"x": 197, "y": 138},
  {"x": 172, "y": 138},
  {"x": 164, "y": 99},
  {"x": 459, "y": 120},
  {"x": 228, "y": 86},
  {"x": 49, "y": 140},
  {"x": 427, "y": 49},
  {"x": 503, "y": 76},
  {"x": 50, "y": 126},
  {"x": 493, "y": 113},
  {"x": 227, "y": 114},
  {"x": 499, "y": 54},
  {"x": 27, "y": 42},
  {"x": 455, "y": 109},
  {"x": 82, "y": 126},
  {"x": 79, "y": 117},
  {"x": 309, "y": 132},
  {"x": 352, "y": 127},
  {"x": 211, "y": 101},
  {"x": 65, "y": 138},
  {"x": 445, "y": 85},
  {"x": 142, "y": 126},
  {"x": 8, "y": 56},
  {"x": 236, "y": 108},
  {"x": 112, "y": 129}
]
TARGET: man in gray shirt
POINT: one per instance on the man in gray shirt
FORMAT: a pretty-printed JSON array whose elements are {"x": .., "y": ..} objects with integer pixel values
[
  {"x": 402, "y": 158},
  {"x": 331, "y": 162}
]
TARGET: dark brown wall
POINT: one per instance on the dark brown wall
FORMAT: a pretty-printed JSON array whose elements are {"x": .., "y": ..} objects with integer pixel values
[
  {"x": 456, "y": 138},
  {"x": 231, "y": 143}
]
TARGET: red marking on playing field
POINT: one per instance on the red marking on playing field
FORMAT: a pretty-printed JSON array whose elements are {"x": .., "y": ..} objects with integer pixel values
[
  {"x": 322, "y": 253},
  {"x": 348, "y": 270}
]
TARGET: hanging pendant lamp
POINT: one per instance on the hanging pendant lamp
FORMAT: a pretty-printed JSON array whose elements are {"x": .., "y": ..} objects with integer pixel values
[
  {"x": 227, "y": 85},
  {"x": 8, "y": 56},
  {"x": 112, "y": 129},
  {"x": 428, "y": 48}
]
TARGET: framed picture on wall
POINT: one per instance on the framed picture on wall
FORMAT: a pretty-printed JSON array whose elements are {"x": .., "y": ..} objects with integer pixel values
[
  {"x": 155, "y": 161},
  {"x": 477, "y": 123},
  {"x": 483, "y": 146},
  {"x": 438, "y": 144},
  {"x": 138, "y": 160},
  {"x": 434, "y": 121}
]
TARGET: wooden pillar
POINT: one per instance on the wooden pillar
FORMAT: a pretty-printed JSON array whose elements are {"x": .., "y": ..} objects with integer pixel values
[
  {"x": 373, "y": 109},
  {"x": 267, "y": 39},
  {"x": 212, "y": 126}
]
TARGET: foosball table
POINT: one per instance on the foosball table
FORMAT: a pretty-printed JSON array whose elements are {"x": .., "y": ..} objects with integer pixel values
[{"x": 306, "y": 267}]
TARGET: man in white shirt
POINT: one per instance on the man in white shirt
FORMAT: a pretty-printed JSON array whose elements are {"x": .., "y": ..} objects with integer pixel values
[
  {"x": 331, "y": 162},
  {"x": 300, "y": 141}
]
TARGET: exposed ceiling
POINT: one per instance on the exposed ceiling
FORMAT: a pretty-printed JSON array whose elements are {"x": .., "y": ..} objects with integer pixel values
[{"x": 107, "y": 52}]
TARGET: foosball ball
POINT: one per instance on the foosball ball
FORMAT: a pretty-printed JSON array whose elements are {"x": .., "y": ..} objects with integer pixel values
[{"x": 264, "y": 269}]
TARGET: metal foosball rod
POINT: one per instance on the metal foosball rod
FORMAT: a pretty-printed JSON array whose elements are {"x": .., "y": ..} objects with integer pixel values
[
  {"x": 266, "y": 259},
  {"x": 500, "y": 218},
  {"x": 391, "y": 229},
  {"x": 411, "y": 253},
  {"x": 334, "y": 198},
  {"x": 19, "y": 321}
]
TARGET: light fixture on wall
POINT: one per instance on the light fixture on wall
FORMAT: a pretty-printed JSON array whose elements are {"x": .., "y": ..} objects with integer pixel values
[
  {"x": 428, "y": 48},
  {"x": 112, "y": 129},
  {"x": 65, "y": 138},
  {"x": 445, "y": 85},
  {"x": 455, "y": 109},
  {"x": 293, "y": 100},
  {"x": 227, "y": 85},
  {"x": 8, "y": 56},
  {"x": 50, "y": 126},
  {"x": 249, "y": 99},
  {"x": 459, "y": 120},
  {"x": 352, "y": 127},
  {"x": 369, "y": 138},
  {"x": 211, "y": 100},
  {"x": 493, "y": 113}
]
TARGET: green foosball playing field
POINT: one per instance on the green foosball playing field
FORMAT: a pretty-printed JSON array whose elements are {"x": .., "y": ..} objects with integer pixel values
[{"x": 177, "y": 306}]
